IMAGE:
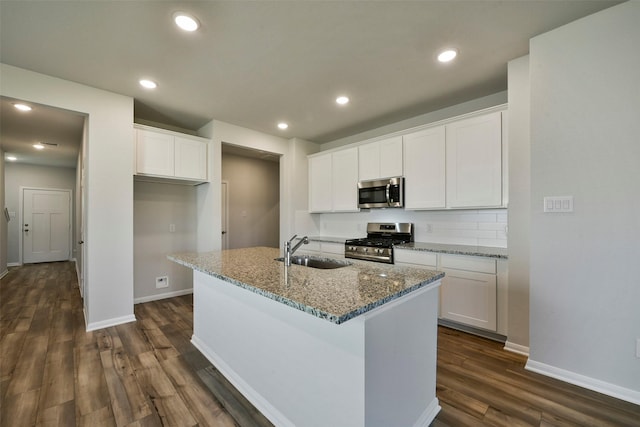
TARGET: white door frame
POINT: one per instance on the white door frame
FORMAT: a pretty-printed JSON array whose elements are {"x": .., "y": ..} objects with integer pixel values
[
  {"x": 224, "y": 238},
  {"x": 21, "y": 215}
]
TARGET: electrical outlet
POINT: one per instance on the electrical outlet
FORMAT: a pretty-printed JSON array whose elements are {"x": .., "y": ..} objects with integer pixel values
[
  {"x": 429, "y": 228},
  {"x": 638, "y": 348},
  {"x": 162, "y": 282},
  {"x": 172, "y": 228}
]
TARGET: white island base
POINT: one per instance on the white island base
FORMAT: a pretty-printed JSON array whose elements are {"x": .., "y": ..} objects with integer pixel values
[{"x": 377, "y": 369}]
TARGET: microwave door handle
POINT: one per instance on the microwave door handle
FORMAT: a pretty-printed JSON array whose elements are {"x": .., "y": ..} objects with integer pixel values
[{"x": 388, "y": 194}]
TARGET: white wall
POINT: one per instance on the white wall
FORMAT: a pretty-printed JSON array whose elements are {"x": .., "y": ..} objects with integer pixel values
[
  {"x": 156, "y": 207},
  {"x": 585, "y": 110},
  {"x": 519, "y": 205},
  {"x": 293, "y": 192},
  {"x": 254, "y": 201},
  {"x": 24, "y": 175},
  {"x": 432, "y": 117},
  {"x": 109, "y": 186}
]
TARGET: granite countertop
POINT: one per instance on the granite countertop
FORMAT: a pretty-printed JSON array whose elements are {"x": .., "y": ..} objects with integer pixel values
[
  {"x": 336, "y": 295},
  {"x": 483, "y": 251}
]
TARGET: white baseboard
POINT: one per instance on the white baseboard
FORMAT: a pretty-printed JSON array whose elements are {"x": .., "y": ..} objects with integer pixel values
[
  {"x": 110, "y": 322},
  {"x": 4, "y": 273},
  {"x": 516, "y": 348},
  {"x": 599, "y": 386},
  {"x": 429, "y": 414},
  {"x": 14, "y": 264},
  {"x": 163, "y": 296}
]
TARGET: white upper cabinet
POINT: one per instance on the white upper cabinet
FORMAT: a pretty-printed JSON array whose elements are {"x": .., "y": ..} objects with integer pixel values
[
  {"x": 380, "y": 159},
  {"x": 424, "y": 169},
  {"x": 154, "y": 153},
  {"x": 333, "y": 181},
  {"x": 190, "y": 158},
  {"x": 459, "y": 164},
  {"x": 474, "y": 162},
  {"x": 345, "y": 180},
  {"x": 320, "y": 183},
  {"x": 167, "y": 155}
]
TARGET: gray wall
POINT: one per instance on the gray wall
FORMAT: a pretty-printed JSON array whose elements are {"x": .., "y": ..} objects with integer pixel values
[
  {"x": 155, "y": 207},
  {"x": 585, "y": 127},
  {"x": 25, "y": 175},
  {"x": 254, "y": 201}
]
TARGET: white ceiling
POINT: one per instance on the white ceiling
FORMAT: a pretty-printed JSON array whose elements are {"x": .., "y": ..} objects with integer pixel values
[{"x": 254, "y": 63}]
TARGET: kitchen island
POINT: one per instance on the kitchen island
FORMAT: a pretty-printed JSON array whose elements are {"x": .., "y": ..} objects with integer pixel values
[{"x": 351, "y": 346}]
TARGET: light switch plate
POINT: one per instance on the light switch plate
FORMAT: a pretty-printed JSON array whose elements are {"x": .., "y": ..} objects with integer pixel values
[{"x": 558, "y": 204}]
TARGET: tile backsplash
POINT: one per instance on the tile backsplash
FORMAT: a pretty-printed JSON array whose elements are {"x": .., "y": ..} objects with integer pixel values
[{"x": 482, "y": 227}]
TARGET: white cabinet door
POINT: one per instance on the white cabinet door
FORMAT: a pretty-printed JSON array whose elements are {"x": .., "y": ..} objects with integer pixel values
[
  {"x": 368, "y": 161},
  {"x": 474, "y": 162},
  {"x": 380, "y": 159},
  {"x": 470, "y": 298},
  {"x": 424, "y": 169},
  {"x": 391, "y": 157},
  {"x": 190, "y": 158},
  {"x": 345, "y": 180},
  {"x": 320, "y": 183},
  {"x": 154, "y": 153}
]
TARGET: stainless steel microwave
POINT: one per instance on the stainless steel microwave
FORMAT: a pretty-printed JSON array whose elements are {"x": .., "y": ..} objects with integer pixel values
[{"x": 381, "y": 193}]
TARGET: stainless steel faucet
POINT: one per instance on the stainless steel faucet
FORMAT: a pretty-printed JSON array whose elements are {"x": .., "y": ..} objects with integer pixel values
[{"x": 288, "y": 250}]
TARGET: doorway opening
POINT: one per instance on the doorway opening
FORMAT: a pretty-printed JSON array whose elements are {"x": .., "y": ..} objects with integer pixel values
[{"x": 251, "y": 191}]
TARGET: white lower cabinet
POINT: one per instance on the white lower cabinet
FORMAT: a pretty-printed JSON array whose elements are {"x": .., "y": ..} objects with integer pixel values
[
  {"x": 329, "y": 249},
  {"x": 471, "y": 289}
]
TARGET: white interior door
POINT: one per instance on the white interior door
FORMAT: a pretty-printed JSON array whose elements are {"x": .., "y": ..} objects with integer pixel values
[
  {"x": 46, "y": 225},
  {"x": 225, "y": 215}
]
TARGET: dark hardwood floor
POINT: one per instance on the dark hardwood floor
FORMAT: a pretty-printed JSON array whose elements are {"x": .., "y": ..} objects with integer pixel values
[{"x": 147, "y": 373}]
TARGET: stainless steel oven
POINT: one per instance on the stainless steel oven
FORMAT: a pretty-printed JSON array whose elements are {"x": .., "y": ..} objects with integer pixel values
[
  {"x": 378, "y": 245},
  {"x": 381, "y": 193}
]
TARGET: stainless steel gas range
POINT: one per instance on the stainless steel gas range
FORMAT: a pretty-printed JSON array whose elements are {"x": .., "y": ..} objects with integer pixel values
[{"x": 378, "y": 245}]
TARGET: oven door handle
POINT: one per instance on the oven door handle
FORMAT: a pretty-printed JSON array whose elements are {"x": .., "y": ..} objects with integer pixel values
[{"x": 387, "y": 192}]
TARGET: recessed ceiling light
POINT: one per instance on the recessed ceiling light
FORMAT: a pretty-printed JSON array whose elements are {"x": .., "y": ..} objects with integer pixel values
[
  {"x": 185, "y": 21},
  {"x": 12, "y": 158},
  {"x": 447, "y": 55},
  {"x": 149, "y": 84},
  {"x": 38, "y": 146},
  {"x": 342, "y": 100},
  {"x": 22, "y": 107},
  {"x": 282, "y": 125}
]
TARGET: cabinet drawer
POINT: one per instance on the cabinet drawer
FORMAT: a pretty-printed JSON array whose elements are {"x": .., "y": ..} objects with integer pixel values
[
  {"x": 469, "y": 263},
  {"x": 313, "y": 247},
  {"x": 427, "y": 259},
  {"x": 332, "y": 248}
]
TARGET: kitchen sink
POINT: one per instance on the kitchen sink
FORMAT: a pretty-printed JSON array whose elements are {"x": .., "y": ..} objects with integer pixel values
[{"x": 316, "y": 262}]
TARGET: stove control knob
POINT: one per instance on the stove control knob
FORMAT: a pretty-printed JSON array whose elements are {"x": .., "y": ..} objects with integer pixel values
[{"x": 365, "y": 250}]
